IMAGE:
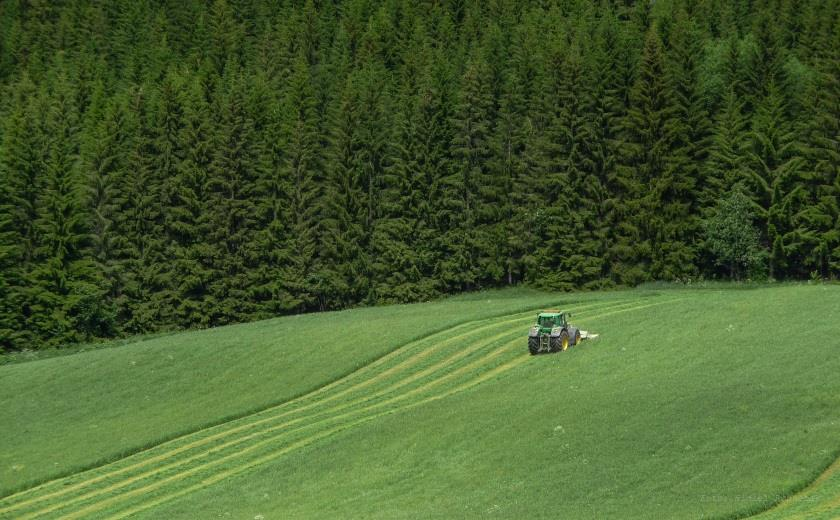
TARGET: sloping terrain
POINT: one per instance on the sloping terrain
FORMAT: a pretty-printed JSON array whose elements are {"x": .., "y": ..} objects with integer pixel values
[
  {"x": 135, "y": 396},
  {"x": 691, "y": 403}
]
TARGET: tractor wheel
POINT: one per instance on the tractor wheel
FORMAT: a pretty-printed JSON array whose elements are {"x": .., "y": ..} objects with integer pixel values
[
  {"x": 534, "y": 345},
  {"x": 554, "y": 344},
  {"x": 577, "y": 337},
  {"x": 563, "y": 340}
]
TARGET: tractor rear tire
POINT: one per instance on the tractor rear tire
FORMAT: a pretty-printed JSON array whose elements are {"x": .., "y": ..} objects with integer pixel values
[
  {"x": 534, "y": 345},
  {"x": 563, "y": 341}
]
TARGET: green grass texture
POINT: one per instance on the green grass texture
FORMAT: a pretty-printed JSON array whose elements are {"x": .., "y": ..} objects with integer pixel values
[{"x": 691, "y": 404}]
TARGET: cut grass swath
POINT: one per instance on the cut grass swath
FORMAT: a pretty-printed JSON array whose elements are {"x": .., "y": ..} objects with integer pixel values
[
  {"x": 414, "y": 392},
  {"x": 225, "y": 428}
]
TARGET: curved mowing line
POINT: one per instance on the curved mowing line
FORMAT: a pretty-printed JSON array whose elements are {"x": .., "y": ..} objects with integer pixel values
[
  {"x": 442, "y": 364},
  {"x": 795, "y": 498},
  {"x": 241, "y": 439},
  {"x": 226, "y": 432},
  {"x": 182, "y": 475},
  {"x": 309, "y": 440},
  {"x": 361, "y": 371},
  {"x": 197, "y": 469}
]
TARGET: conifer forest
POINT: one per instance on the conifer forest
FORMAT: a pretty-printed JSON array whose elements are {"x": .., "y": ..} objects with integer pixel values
[{"x": 170, "y": 164}]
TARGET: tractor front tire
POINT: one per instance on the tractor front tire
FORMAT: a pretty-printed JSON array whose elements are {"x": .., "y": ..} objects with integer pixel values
[
  {"x": 574, "y": 336},
  {"x": 534, "y": 345}
]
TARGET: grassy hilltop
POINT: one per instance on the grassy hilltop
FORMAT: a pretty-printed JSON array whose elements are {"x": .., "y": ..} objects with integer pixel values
[{"x": 691, "y": 403}]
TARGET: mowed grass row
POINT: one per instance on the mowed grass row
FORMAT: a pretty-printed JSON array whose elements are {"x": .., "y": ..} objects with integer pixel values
[
  {"x": 293, "y": 421},
  {"x": 360, "y": 379},
  {"x": 508, "y": 353},
  {"x": 819, "y": 500},
  {"x": 706, "y": 407},
  {"x": 66, "y": 414},
  {"x": 407, "y": 376}
]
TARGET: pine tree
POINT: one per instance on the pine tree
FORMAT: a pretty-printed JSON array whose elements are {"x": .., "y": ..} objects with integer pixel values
[
  {"x": 581, "y": 263},
  {"x": 21, "y": 181},
  {"x": 139, "y": 243},
  {"x": 727, "y": 152},
  {"x": 510, "y": 166},
  {"x": 774, "y": 170},
  {"x": 820, "y": 133},
  {"x": 105, "y": 149},
  {"x": 167, "y": 156},
  {"x": 642, "y": 173},
  {"x": 292, "y": 190},
  {"x": 472, "y": 193},
  {"x": 688, "y": 130},
  {"x": 234, "y": 169},
  {"x": 404, "y": 242},
  {"x": 187, "y": 217},
  {"x": 371, "y": 136},
  {"x": 613, "y": 67},
  {"x": 65, "y": 300}
]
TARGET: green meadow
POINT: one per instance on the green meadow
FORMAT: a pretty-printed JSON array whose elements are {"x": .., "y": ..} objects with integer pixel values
[{"x": 713, "y": 402}]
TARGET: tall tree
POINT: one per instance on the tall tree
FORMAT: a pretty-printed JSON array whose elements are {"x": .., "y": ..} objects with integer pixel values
[
  {"x": 233, "y": 172},
  {"x": 21, "y": 182},
  {"x": 472, "y": 192}
]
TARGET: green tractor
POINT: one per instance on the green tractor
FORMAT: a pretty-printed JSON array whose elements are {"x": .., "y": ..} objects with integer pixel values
[{"x": 552, "y": 333}]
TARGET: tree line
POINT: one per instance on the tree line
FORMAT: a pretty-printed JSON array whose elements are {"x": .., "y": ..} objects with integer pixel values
[{"x": 173, "y": 164}]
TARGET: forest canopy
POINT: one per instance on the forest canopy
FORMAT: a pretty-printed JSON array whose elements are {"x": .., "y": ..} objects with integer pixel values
[{"x": 174, "y": 164}]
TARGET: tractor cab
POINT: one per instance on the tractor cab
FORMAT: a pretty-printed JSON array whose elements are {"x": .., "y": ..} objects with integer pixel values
[{"x": 548, "y": 320}]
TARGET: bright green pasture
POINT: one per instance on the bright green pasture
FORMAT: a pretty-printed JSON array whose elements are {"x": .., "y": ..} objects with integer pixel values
[
  {"x": 716, "y": 402},
  {"x": 714, "y": 405},
  {"x": 61, "y": 414}
]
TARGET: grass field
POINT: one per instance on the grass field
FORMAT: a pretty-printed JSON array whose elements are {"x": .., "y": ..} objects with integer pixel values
[{"x": 691, "y": 403}]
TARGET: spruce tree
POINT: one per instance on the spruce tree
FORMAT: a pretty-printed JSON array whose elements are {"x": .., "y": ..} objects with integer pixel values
[
  {"x": 21, "y": 182},
  {"x": 139, "y": 242},
  {"x": 189, "y": 252},
  {"x": 104, "y": 162},
  {"x": 688, "y": 130},
  {"x": 292, "y": 192},
  {"x": 774, "y": 169},
  {"x": 233, "y": 172},
  {"x": 471, "y": 191},
  {"x": 820, "y": 131},
  {"x": 644, "y": 226},
  {"x": 66, "y": 297},
  {"x": 405, "y": 235}
]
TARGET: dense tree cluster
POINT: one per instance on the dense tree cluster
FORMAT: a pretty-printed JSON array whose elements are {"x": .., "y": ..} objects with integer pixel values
[{"x": 191, "y": 163}]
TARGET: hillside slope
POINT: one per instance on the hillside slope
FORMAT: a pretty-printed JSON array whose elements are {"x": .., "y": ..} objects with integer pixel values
[
  {"x": 691, "y": 403},
  {"x": 137, "y": 395}
]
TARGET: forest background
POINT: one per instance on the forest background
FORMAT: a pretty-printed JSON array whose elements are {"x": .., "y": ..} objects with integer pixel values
[{"x": 181, "y": 164}]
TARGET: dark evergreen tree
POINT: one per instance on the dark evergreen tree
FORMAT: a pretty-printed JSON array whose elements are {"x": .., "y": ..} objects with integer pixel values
[
  {"x": 471, "y": 243},
  {"x": 405, "y": 256},
  {"x": 774, "y": 172},
  {"x": 292, "y": 190},
  {"x": 186, "y": 164},
  {"x": 139, "y": 242},
  {"x": 66, "y": 298},
  {"x": 820, "y": 132},
  {"x": 188, "y": 215},
  {"x": 232, "y": 213},
  {"x": 642, "y": 176},
  {"x": 21, "y": 182}
]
